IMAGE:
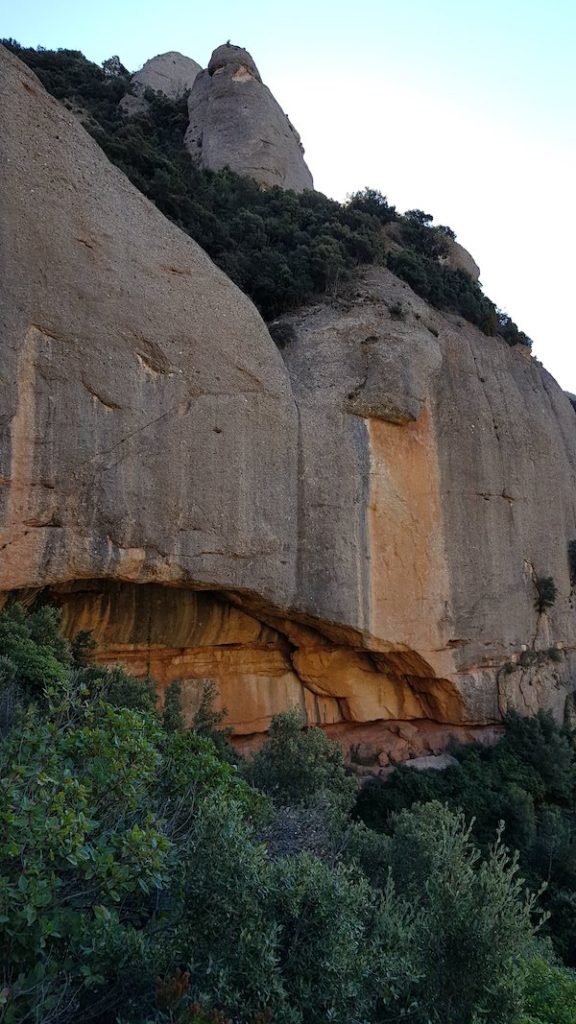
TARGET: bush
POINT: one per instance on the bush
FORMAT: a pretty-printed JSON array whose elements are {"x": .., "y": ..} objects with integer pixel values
[
  {"x": 549, "y": 993},
  {"x": 528, "y": 781},
  {"x": 134, "y": 886},
  {"x": 572, "y": 561},
  {"x": 472, "y": 918},
  {"x": 546, "y": 593},
  {"x": 301, "y": 766},
  {"x": 172, "y": 715},
  {"x": 33, "y": 651}
]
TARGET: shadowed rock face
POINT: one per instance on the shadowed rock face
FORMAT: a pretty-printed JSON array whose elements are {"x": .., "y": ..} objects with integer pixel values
[
  {"x": 236, "y": 122},
  {"x": 352, "y": 526},
  {"x": 171, "y": 73}
]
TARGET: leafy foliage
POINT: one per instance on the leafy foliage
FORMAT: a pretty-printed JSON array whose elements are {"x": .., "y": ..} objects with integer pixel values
[
  {"x": 172, "y": 715},
  {"x": 471, "y": 917},
  {"x": 298, "y": 766},
  {"x": 528, "y": 781},
  {"x": 280, "y": 247},
  {"x": 550, "y": 993},
  {"x": 134, "y": 886}
]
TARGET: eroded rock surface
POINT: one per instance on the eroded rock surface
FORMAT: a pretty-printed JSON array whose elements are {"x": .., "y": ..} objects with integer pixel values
[
  {"x": 451, "y": 458},
  {"x": 236, "y": 122},
  {"x": 144, "y": 409},
  {"x": 352, "y": 526},
  {"x": 171, "y": 73}
]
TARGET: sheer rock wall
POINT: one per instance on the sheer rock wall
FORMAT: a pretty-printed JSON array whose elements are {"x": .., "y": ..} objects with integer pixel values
[{"x": 352, "y": 526}]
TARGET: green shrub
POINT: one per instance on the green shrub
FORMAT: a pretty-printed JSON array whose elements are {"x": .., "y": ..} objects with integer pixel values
[
  {"x": 326, "y": 918},
  {"x": 472, "y": 918},
  {"x": 301, "y": 766},
  {"x": 207, "y": 722},
  {"x": 172, "y": 714},
  {"x": 35, "y": 649},
  {"x": 546, "y": 593},
  {"x": 119, "y": 688},
  {"x": 549, "y": 993}
]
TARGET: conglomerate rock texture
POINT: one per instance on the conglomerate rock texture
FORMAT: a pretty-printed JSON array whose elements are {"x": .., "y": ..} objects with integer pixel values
[
  {"x": 353, "y": 525},
  {"x": 236, "y": 122},
  {"x": 170, "y": 73}
]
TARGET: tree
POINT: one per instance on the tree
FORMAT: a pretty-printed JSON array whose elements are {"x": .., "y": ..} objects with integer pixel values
[
  {"x": 300, "y": 766},
  {"x": 113, "y": 68},
  {"x": 472, "y": 917}
]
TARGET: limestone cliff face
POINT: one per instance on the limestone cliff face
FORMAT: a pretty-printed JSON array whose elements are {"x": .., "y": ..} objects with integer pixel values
[
  {"x": 352, "y": 526},
  {"x": 236, "y": 122},
  {"x": 171, "y": 73}
]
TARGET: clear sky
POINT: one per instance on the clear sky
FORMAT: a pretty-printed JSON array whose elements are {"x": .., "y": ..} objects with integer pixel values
[{"x": 463, "y": 108}]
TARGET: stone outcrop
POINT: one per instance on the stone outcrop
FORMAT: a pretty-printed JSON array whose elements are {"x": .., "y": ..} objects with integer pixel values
[
  {"x": 451, "y": 458},
  {"x": 171, "y": 73},
  {"x": 236, "y": 122},
  {"x": 352, "y": 526},
  {"x": 144, "y": 410},
  {"x": 458, "y": 258}
]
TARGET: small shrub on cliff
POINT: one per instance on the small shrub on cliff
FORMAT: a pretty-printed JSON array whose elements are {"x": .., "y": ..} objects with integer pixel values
[
  {"x": 572, "y": 561},
  {"x": 546, "y": 593}
]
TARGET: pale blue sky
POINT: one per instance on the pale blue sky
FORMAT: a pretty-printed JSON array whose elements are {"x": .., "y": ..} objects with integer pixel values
[{"x": 464, "y": 109}]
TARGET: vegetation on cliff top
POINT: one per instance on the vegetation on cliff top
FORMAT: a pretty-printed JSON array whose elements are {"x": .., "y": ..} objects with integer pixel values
[
  {"x": 281, "y": 248},
  {"x": 140, "y": 881}
]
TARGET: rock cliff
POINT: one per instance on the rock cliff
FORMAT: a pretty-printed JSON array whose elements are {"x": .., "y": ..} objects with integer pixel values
[
  {"x": 353, "y": 525},
  {"x": 236, "y": 122},
  {"x": 171, "y": 73}
]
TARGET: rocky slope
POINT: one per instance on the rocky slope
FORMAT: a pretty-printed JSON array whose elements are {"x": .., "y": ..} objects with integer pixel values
[
  {"x": 236, "y": 122},
  {"x": 353, "y": 525}
]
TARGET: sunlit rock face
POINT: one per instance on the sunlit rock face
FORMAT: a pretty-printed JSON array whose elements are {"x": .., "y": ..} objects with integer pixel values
[
  {"x": 236, "y": 122},
  {"x": 144, "y": 409},
  {"x": 352, "y": 525}
]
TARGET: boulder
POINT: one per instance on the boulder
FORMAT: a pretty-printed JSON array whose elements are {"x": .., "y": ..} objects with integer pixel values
[
  {"x": 171, "y": 73},
  {"x": 236, "y": 122},
  {"x": 438, "y": 762},
  {"x": 458, "y": 258}
]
